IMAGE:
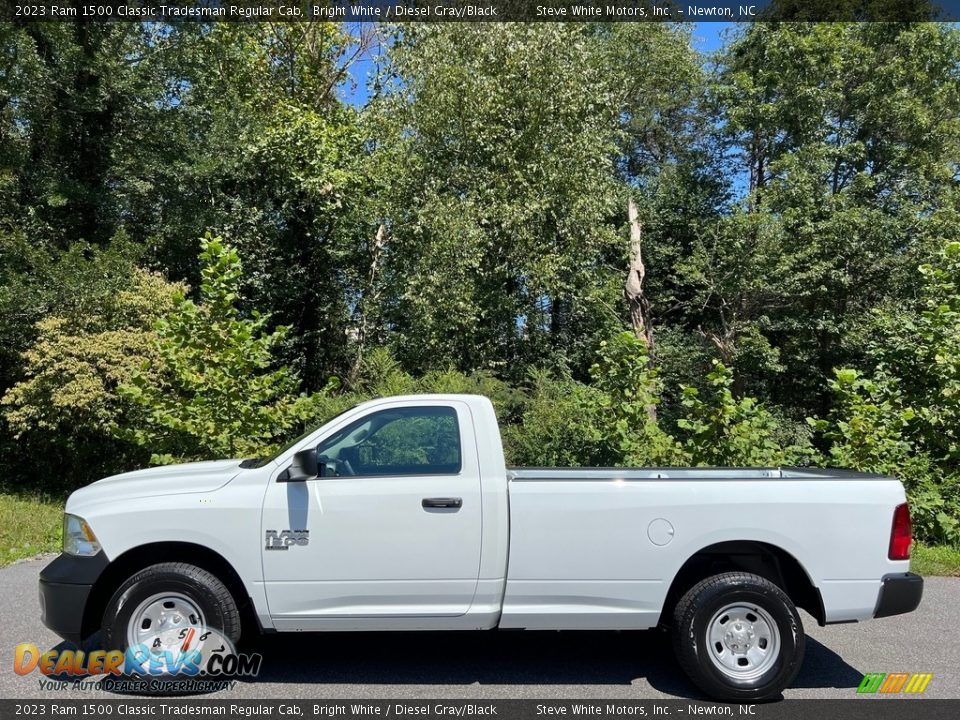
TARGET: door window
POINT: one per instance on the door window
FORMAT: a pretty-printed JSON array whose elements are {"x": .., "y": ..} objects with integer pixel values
[{"x": 397, "y": 441}]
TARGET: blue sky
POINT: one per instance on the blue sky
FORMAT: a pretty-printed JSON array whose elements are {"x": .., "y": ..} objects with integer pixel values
[{"x": 708, "y": 36}]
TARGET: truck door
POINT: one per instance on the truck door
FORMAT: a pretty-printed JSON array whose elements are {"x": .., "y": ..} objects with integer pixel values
[{"x": 392, "y": 528}]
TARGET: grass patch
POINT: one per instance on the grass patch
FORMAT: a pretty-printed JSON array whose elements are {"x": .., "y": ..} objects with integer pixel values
[
  {"x": 29, "y": 525},
  {"x": 935, "y": 560}
]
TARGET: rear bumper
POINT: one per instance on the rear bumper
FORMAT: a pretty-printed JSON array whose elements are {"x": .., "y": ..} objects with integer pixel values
[
  {"x": 65, "y": 587},
  {"x": 899, "y": 594}
]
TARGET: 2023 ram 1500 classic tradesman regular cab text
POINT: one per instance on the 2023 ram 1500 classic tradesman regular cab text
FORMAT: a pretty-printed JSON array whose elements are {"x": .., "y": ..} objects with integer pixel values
[{"x": 401, "y": 514}]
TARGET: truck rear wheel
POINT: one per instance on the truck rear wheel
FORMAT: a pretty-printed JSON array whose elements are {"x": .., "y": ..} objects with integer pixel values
[
  {"x": 738, "y": 636},
  {"x": 170, "y": 607}
]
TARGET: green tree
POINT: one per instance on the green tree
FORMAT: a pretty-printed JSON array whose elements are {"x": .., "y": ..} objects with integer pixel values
[
  {"x": 74, "y": 100},
  {"x": 903, "y": 417},
  {"x": 846, "y": 136},
  {"x": 922, "y": 349},
  {"x": 915, "y": 348},
  {"x": 214, "y": 390},
  {"x": 501, "y": 149},
  {"x": 153, "y": 133},
  {"x": 269, "y": 157}
]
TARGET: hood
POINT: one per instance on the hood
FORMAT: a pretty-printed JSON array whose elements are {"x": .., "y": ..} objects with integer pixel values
[{"x": 196, "y": 477}]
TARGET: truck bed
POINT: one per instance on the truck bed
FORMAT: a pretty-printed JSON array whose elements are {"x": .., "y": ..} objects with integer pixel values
[{"x": 594, "y": 548}]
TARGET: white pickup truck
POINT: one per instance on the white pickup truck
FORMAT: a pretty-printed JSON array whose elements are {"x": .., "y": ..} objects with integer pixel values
[{"x": 401, "y": 514}]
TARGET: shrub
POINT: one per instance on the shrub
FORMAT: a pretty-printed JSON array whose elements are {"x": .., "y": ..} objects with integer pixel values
[
  {"x": 728, "y": 431},
  {"x": 611, "y": 422},
  {"x": 67, "y": 408},
  {"x": 903, "y": 418},
  {"x": 560, "y": 426},
  {"x": 630, "y": 392},
  {"x": 871, "y": 429}
]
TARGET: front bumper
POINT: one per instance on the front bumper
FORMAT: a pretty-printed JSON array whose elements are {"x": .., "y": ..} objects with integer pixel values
[
  {"x": 899, "y": 594},
  {"x": 65, "y": 588}
]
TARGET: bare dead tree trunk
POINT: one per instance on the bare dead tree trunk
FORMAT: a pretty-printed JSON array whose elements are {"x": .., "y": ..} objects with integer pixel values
[
  {"x": 633, "y": 287},
  {"x": 633, "y": 291},
  {"x": 371, "y": 295}
]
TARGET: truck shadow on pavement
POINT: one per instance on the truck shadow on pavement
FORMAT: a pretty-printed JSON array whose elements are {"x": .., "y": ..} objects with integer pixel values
[
  {"x": 503, "y": 658},
  {"x": 496, "y": 658}
]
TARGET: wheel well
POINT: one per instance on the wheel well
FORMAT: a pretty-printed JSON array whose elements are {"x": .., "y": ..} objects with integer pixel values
[
  {"x": 143, "y": 556},
  {"x": 768, "y": 561}
]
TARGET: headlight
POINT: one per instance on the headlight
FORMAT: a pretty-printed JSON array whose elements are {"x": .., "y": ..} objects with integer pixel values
[{"x": 78, "y": 538}]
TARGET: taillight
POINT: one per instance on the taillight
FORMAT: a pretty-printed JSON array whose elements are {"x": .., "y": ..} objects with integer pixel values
[{"x": 901, "y": 535}]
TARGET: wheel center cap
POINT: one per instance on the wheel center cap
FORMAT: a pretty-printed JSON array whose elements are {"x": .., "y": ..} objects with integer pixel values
[{"x": 739, "y": 638}]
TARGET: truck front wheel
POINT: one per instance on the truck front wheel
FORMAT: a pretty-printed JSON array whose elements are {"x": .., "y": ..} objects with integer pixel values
[
  {"x": 738, "y": 636},
  {"x": 170, "y": 607}
]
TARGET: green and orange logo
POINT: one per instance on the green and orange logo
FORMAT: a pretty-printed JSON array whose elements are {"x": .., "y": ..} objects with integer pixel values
[{"x": 893, "y": 683}]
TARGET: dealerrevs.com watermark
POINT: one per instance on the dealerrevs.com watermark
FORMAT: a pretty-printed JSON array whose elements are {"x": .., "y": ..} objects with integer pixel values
[{"x": 203, "y": 661}]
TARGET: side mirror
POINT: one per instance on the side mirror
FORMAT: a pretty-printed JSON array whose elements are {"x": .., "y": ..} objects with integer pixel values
[{"x": 305, "y": 466}]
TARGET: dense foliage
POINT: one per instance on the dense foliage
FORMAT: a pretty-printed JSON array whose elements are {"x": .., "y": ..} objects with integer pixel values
[
  {"x": 208, "y": 241},
  {"x": 210, "y": 390}
]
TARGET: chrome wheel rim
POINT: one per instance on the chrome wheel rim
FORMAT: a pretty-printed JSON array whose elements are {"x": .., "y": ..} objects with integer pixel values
[
  {"x": 163, "y": 622},
  {"x": 743, "y": 641}
]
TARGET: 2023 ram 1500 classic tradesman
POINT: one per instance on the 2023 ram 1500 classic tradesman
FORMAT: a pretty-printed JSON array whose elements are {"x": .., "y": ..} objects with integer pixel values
[{"x": 400, "y": 514}]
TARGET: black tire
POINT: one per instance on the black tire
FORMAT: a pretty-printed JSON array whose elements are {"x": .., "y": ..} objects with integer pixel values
[
  {"x": 207, "y": 591},
  {"x": 696, "y": 610}
]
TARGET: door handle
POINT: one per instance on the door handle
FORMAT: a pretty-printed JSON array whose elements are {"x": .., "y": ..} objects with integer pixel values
[{"x": 455, "y": 503}]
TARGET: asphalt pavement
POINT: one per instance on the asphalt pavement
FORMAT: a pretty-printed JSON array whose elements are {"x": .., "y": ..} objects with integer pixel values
[{"x": 535, "y": 665}]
